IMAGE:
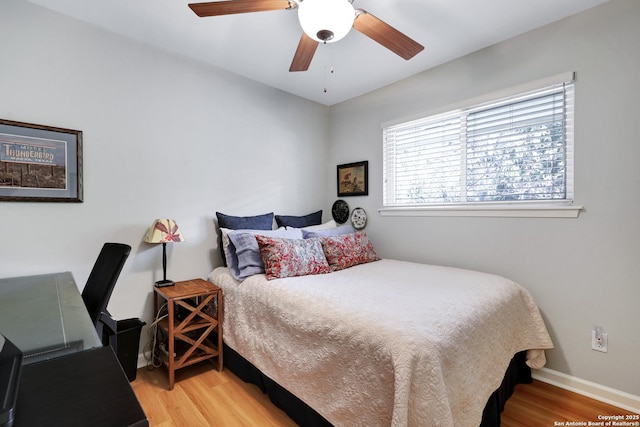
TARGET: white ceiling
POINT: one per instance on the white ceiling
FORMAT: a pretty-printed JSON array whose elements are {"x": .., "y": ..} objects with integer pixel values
[{"x": 261, "y": 45}]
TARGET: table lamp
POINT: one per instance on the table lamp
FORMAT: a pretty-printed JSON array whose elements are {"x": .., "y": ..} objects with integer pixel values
[{"x": 163, "y": 231}]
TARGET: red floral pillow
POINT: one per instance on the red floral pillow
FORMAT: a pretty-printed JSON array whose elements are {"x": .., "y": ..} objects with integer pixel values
[
  {"x": 348, "y": 250},
  {"x": 291, "y": 257}
]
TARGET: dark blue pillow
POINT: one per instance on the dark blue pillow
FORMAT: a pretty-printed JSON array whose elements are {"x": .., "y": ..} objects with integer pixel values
[
  {"x": 314, "y": 218},
  {"x": 257, "y": 222}
]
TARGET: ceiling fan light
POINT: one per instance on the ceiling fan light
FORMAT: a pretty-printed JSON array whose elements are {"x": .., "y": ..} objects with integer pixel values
[{"x": 326, "y": 20}]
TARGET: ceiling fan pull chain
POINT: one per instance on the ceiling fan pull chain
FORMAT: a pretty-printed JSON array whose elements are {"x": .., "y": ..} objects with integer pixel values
[
  {"x": 330, "y": 73},
  {"x": 325, "y": 80}
]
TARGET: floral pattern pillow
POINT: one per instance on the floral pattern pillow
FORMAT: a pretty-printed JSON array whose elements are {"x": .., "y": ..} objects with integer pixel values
[
  {"x": 291, "y": 257},
  {"x": 347, "y": 250}
]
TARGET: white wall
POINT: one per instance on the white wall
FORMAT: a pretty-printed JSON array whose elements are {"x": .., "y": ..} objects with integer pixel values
[
  {"x": 163, "y": 137},
  {"x": 583, "y": 272}
]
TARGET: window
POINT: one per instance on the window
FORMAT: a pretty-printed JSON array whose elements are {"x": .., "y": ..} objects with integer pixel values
[{"x": 512, "y": 151}]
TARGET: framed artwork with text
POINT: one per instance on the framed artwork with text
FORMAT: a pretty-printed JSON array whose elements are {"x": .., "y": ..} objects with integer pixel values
[{"x": 40, "y": 163}]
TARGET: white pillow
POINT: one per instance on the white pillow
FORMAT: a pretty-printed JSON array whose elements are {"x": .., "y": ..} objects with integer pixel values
[{"x": 326, "y": 225}]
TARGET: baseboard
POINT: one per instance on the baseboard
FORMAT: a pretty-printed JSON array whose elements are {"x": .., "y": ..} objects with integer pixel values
[
  {"x": 590, "y": 389},
  {"x": 142, "y": 361}
]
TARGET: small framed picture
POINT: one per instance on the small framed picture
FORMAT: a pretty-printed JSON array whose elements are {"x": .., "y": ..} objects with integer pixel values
[
  {"x": 353, "y": 179},
  {"x": 40, "y": 163}
]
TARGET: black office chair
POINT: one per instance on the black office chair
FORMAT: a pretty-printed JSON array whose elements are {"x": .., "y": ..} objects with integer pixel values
[{"x": 102, "y": 280}]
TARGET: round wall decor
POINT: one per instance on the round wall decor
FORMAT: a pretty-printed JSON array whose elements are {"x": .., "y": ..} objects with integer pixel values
[
  {"x": 340, "y": 211},
  {"x": 358, "y": 218}
]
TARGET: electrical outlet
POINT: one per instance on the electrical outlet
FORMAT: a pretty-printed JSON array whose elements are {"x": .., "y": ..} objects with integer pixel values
[{"x": 599, "y": 340}]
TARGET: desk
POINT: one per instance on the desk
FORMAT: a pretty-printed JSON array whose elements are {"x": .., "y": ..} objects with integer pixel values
[
  {"x": 68, "y": 378},
  {"x": 45, "y": 317},
  {"x": 87, "y": 388}
]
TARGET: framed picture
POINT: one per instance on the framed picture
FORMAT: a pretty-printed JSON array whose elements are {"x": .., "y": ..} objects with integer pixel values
[
  {"x": 353, "y": 179},
  {"x": 39, "y": 163}
]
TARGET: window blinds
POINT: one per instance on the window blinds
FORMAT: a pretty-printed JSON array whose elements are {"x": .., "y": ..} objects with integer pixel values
[{"x": 513, "y": 149}]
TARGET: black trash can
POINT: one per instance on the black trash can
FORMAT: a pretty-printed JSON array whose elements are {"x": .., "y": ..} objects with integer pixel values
[{"x": 125, "y": 344}]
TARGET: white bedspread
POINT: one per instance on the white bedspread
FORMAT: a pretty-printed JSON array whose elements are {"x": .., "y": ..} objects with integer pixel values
[{"x": 389, "y": 343}]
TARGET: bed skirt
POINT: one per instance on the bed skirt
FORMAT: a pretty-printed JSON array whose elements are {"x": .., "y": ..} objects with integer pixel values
[{"x": 517, "y": 373}]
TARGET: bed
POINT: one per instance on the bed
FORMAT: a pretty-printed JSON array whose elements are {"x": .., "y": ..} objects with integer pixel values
[{"x": 386, "y": 342}]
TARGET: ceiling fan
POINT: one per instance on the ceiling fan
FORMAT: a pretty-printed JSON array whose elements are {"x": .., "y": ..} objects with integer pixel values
[{"x": 322, "y": 21}]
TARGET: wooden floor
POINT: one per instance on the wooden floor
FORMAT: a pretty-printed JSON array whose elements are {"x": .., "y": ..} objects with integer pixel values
[
  {"x": 541, "y": 404},
  {"x": 203, "y": 397}
]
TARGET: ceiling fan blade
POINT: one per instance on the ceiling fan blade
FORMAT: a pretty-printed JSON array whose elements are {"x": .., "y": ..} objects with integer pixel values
[
  {"x": 386, "y": 35},
  {"x": 304, "y": 53},
  {"x": 229, "y": 7}
]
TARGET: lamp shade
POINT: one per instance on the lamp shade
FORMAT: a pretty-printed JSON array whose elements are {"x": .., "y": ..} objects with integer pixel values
[
  {"x": 326, "y": 20},
  {"x": 163, "y": 231}
]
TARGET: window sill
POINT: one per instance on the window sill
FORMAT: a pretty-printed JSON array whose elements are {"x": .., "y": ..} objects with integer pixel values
[{"x": 510, "y": 211}]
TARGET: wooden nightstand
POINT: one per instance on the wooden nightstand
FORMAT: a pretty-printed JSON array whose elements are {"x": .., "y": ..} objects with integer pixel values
[{"x": 194, "y": 310}]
